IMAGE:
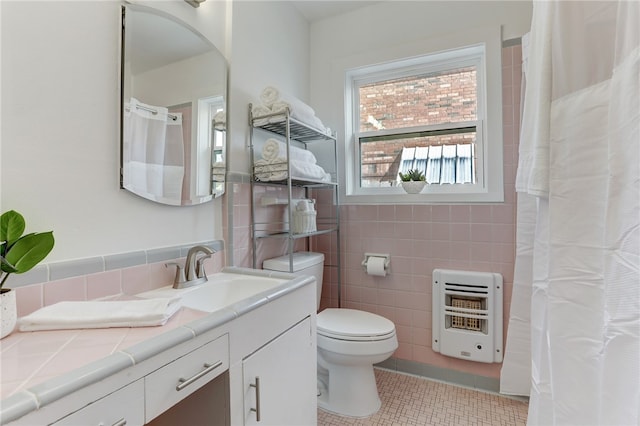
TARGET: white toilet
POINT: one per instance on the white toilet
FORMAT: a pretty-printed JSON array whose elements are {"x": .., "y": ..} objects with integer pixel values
[{"x": 349, "y": 343}]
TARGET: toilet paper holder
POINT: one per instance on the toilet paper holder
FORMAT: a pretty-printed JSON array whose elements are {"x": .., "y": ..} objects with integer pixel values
[{"x": 387, "y": 260}]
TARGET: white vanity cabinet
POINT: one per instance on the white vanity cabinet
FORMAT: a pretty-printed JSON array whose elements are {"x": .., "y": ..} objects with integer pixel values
[
  {"x": 123, "y": 407},
  {"x": 279, "y": 385},
  {"x": 170, "y": 384},
  {"x": 197, "y": 373},
  {"x": 146, "y": 391}
]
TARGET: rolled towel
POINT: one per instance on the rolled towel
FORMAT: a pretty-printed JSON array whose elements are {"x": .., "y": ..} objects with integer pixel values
[
  {"x": 271, "y": 149},
  {"x": 220, "y": 117},
  {"x": 101, "y": 314},
  {"x": 258, "y": 112},
  {"x": 270, "y": 95},
  {"x": 220, "y": 120},
  {"x": 274, "y": 148}
]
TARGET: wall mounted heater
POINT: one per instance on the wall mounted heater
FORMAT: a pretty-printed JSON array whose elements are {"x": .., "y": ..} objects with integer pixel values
[{"x": 467, "y": 315}]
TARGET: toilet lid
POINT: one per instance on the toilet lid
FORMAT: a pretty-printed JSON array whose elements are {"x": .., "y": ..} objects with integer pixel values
[{"x": 351, "y": 324}]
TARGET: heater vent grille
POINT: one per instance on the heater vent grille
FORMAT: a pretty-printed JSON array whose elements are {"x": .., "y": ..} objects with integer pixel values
[
  {"x": 467, "y": 314},
  {"x": 466, "y": 288},
  {"x": 466, "y": 306}
]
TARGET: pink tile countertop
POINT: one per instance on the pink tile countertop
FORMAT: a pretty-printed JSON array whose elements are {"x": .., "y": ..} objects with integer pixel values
[
  {"x": 39, "y": 367},
  {"x": 30, "y": 358}
]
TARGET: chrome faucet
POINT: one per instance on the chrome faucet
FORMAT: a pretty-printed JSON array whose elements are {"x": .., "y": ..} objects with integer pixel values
[
  {"x": 193, "y": 266},
  {"x": 194, "y": 272}
]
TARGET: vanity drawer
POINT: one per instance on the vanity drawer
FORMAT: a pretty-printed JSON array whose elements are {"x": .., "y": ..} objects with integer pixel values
[
  {"x": 175, "y": 381},
  {"x": 124, "y": 406}
]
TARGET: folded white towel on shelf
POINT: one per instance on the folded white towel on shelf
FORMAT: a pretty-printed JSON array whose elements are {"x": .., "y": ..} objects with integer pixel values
[
  {"x": 101, "y": 314},
  {"x": 270, "y": 95},
  {"x": 276, "y": 169},
  {"x": 271, "y": 170},
  {"x": 274, "y": 149},
  {"x": 301, "y": 114},
  {"x": 278, "y": 101},
  {"x": 301, "y": 169}
]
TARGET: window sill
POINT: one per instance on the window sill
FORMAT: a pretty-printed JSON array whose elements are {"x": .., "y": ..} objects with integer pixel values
[{"x": 428, "y": 196}]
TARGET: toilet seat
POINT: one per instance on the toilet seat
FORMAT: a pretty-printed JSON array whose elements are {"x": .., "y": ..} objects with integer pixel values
[{"x": 353, "y": 325}]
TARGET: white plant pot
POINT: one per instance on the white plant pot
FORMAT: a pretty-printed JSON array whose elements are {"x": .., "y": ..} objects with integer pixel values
[
  {"x": 8, "y": 312},
  {"x": 413, "y": 186}
]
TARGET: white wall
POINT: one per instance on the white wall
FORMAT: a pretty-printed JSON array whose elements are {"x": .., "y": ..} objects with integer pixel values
[
  {"x": 60, "y": 137},
  {"x": 270, "y": 47},
  {"x": 60, "y": 73},
  {"x": 393, "y": 25}
]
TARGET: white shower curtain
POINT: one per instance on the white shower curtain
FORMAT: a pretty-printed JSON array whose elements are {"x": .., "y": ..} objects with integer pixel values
[
  {"x": 153, "y": 153},
  {"x": 580, "y": 169}
]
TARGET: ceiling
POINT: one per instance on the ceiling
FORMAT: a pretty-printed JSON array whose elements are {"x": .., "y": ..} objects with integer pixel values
[{"x": 315, "y": 10}]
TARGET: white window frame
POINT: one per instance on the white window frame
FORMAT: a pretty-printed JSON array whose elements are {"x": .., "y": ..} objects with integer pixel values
[{"x": 481, "y": 48}]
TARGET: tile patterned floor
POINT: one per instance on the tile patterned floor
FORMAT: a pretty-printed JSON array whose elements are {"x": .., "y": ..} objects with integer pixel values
[{"x": 410, "y": 400}]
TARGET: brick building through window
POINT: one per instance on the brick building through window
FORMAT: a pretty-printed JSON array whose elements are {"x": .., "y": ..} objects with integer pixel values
[{"x": 438, "y": 104}]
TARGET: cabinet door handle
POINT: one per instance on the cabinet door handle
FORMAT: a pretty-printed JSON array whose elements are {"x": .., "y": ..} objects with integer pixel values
[
  {"x": 121, "y": 422},
  {"x": 257, "y": 409},
  {"x": 183, "y": 383}
]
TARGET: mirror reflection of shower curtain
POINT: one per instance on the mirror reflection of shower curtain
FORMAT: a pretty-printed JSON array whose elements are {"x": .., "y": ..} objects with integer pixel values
[{"x": 153, "y": 153}]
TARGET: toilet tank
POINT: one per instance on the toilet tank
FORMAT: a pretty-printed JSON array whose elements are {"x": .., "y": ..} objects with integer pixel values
[{"x": 304, "y": 263}]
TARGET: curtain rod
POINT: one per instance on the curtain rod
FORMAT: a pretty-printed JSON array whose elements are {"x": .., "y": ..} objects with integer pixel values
[{"x": 154, "y": 112}]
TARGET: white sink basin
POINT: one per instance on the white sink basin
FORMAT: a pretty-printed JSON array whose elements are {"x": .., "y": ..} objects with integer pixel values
[{"x": 221, "y": 290}]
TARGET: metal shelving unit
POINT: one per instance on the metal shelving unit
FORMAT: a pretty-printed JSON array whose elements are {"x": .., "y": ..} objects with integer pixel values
[{"x": 290, "y": 129}]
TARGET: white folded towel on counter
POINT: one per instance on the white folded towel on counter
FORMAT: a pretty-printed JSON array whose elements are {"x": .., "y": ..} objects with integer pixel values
[
  {"x": 101, "y": 314},
  {"x": 274, "y": 149}
]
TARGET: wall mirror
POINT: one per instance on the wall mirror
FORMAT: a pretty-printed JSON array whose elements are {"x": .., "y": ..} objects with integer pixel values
[{"x": 173, "y": 110}]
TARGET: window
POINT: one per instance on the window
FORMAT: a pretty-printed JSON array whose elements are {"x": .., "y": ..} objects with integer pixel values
[{"x": 427, "y": 112}]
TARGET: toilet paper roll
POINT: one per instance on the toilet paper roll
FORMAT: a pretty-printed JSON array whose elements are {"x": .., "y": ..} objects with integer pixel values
[{"x": 375, "y": 266}]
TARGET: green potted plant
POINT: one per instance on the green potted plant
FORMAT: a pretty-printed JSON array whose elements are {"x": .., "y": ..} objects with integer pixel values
[
  {"x": 413, "y": 181},
  {"x": 19, "y": 253}
]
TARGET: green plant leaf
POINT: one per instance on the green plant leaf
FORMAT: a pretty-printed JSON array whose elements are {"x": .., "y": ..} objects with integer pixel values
[
  {"x": 6, "y": 266},
  {"x": 28, "y": 251},
  {"x": 413, "y": 174},
  {"x": 12, "y": 226}
]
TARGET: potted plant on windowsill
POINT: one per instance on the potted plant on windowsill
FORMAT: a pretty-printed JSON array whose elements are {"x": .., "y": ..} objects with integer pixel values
[
  {"x": 18, "y": 254},
  {"x": 413, "y": 181}
]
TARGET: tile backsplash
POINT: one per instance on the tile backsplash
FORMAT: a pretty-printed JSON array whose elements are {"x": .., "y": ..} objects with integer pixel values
[{"x": 98, "y": 277}]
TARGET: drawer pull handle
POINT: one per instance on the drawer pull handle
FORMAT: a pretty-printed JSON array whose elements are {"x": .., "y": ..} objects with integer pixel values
[
  {"x": 257, "y": 409},
  {"x": 121, "y": 422},
  {"x": 183, "y": 383}
]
